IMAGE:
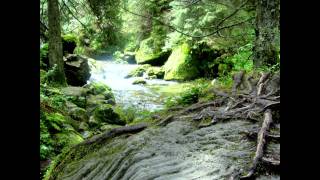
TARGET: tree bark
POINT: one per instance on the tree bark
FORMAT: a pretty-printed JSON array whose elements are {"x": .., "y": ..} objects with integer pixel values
[
  {"x": 266, "y": 27},
  {"x": 55, "y": 42}
]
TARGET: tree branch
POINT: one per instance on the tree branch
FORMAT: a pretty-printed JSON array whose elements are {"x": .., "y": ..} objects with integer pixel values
[
  {"x": 73, "y": 15},
  {"x": 181, "y": 32}
]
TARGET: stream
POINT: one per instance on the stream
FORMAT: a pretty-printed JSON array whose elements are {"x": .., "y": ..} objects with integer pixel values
[
  {"x": 176, "y": 150},
  {"x": 107, "y": 71}
]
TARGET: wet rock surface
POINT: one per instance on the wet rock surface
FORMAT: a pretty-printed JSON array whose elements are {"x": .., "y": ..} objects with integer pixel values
[{"x": 178, "y": 150}]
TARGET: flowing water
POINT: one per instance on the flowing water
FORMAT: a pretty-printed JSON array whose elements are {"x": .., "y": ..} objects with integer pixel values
[{"x": 106, "y": 70}]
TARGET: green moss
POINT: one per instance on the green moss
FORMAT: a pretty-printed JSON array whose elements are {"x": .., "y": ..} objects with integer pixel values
[
  {"x": 69, "y": 43},
  {"x": 180, "y": 65},
  {"x": 150, "y": 53},
  {"x": 158, "y": 72},
  {"x": 70, "y": 38},
  {"x": 68, "y": 138},
  {"x": 99, "y": 88},
  {"x": 105, "y": 113},
  {"x": 43, "y": 76},
  {"x": 139, "y": 81}
]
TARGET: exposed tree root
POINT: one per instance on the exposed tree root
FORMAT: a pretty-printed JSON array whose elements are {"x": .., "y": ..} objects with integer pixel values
[
  {"x": 261, "y": 143},
  {"x": 237, "y": 79},
  {"x": 259, "y": 100},
  {"x": 114, "y": 132}
]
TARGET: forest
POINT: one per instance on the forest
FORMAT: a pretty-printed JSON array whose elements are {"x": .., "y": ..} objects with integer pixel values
[{"x": 159, "y": 89}]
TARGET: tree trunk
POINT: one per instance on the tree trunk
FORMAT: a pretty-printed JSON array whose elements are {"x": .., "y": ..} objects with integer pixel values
[
  {"x": 55, "y": 42},
  {"x": 266, "y": 27}
]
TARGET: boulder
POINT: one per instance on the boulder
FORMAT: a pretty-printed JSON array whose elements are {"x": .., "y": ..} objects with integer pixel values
[
  {"x": 139, "y": 71},
  {"x": 157, "y": 72},
  {"x": 95, "y": 88},
  {"x": 78, "y": 114},
  {"x": 76, "y": 95},
  {"x": 139, "y": 81},
  {"x": 148, "y": 53},
  {"x": 93, "y": 101},
  {"x": 105, "y": 113},
  {"x": 180, "y": 65},
  {"x": 76, "y": 69},
  {"x": 98, "y": 94},
  {"x": 69, "y": 43},
  {"x": 83, "y": 126}
]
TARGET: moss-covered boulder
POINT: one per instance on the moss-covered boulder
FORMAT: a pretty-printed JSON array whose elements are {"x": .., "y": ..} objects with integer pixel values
[
  {"x": 83, "y": 126},
  {"x": 105, "y": 113},
  {"x": 95, "y": 88},
  {"x": 139, "y": 81},
  {"x": 68, "y": 138},
  {"x": 180, "y": 65},
  {"x": 77, "y": 70},
  {"x": 139, "y": 71},
  {"x": 98, "y": 94},
  {"x": 93, "y": 101},
  {"x": 69, "y": 43},
  {"x": 78, "y": 114},
  {"x": 76, "y": 95},
  {"x": 157, "y": 72},
  {"x": 149, "y": 53}
]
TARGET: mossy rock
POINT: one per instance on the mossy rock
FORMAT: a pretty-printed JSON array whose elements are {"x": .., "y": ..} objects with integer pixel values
[
  {"x": 158, "y": 72},
  {"x": 148, "y": 53},
  {"x": 78, "y": 114},
  {"x": 69, "y": 43},
  {"x": 100, "y": 89},
  {"x": 105, "y": 113},
  {"x": 93, "y": 122},
  {"x": 152, "y": 77},
  {"x": 76, "y": 95},
  {"x": 139, "y": 81},
  {"x": 83, "y": 126},
  {"x": 68, "y": 138},
  {"x": 94, "y": 101},
  {"x": 138, "y": 71},
  {"x": 180, "y": 65},
  {"x": 76, "y": 69}
]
